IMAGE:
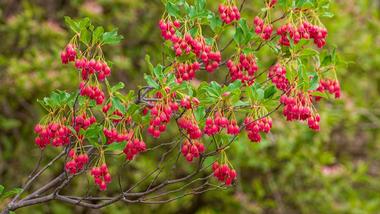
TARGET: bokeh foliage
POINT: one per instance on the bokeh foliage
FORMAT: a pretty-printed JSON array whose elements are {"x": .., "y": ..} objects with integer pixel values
[{"x": 293, "y": 171}]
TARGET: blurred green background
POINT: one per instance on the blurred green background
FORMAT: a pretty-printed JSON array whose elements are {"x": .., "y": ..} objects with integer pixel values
[{"x": 293, "y": 171}]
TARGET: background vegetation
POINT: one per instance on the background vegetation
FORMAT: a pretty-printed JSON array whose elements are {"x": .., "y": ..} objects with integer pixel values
[{"x": 293, "y": 171}]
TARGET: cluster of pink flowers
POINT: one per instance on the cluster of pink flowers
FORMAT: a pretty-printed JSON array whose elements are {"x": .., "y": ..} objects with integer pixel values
[
  {"x": 192, "y": 150},
  {"x": 254, "y": 127},
  {"x": 224, "y": 173},
  {"x": 244, "y": 70},
  {"x": 229, "y": 13},
  {"x": 101, "y": 176},
  {"x": 54, "y": 133},
  {"x": 76, "y": 163}
]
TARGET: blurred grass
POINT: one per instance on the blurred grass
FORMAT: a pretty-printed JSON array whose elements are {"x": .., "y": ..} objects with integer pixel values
[{"x": 293, "y": 171}]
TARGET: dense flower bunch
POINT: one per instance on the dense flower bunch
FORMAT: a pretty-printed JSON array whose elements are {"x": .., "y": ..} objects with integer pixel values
[
  {"x": 303, "y": 31},
  {"x": 92, "y": 92},
  {"x": 134, "y": 146},
  {"x": 277, "y": 74},
  {"x": 101, "y": 176},
  {"x": 77, "y": 162},
  {"x": 191, "y": 150},
  {"x": 98, "y": 67},
  {"x": 161, "y": 113},
  {"x": 203, "y": 111},
  {"x": 229, "y": 13},
  {"x": 190, "y": 125},
  {"x": 186, "y": 71},
  {"x": 331, "y": 86},
  {"x": 54, "y": 133},
  {"x": 299, "y": 107},
  {"x": 69, "y": 54},
  {"x": 261, "y": 29},
  {"x": 244, "y": 70},
  {"x": 187, "y": 44},
  {"x": 224, "y": 173},
  {"x": 216, "y": 124},
  {"x": 82, "y": 122},
  {"x": 113, "y": 135},
  {"x": 189, "y": 102},
  {"x": 168, "y": 30},
  {"x": 254, "y": 127}
]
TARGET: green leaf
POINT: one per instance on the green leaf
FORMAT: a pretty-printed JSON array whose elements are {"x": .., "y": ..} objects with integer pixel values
[
  {"x": 151, "y": 82},
  {"x": 248, "y": 51},
  {"x": 215, "y": 22},
  {"x": 209, "y": 41},
  {"x": 207, "y": 94},
  {"x": 214, "y": 90},
  {"x": 115, "y": 117},
  {"x": 158, "y": 72},
  {"x": 97, "y": 35},
  {"x": 200, "y": 4},
  {"x": 243, "y": 33},
  {"x": 92, "y": 134},
  {"x": 284, "y": 4},
  {"x": 85, "y": 36},
  {"x": 1, "y": 189},
  {"x": 240, "y": 103},
  {"x": 235, "y": 95},
  {"x": 260, "y": 94},
  {"x": 57, "y": 99},
  {"x": 299, "y": 3},
  {"x": 72, "y": 129},
  {"x": 73, "y": 25},
  {"x": 193, "y": 32},
  {"x": 11, "y": 193},
  {"x": 216, "y": 86},
  {"x": 319, "y": 94},
  {"x": 118, "y": 86},
  {"x": 200, "y": 113},
  {"x": 234, "y": 85},
  {"x": 150, "y": 65},
  {"x": 111, "y": 38},
  {"x": 84, "y": 23},
  {"x": 238, "y": 37},
  {"x": 118, "y": 105},
  {"x": 172, "y": 9},
  {"x": 309, "y": 52},
  {"x": 269, "y": 92},
  {"x": 314, "y": 83},
  {"x": 133, "y": 109},
  {"x": 250, "y": 91},
  {"x": 116, "y": 147},
  {"x": 326, "y": 60}
]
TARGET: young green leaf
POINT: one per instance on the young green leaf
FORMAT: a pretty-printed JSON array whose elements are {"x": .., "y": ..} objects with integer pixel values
[
  {"x": 118, "y": 86},
  {"x": 151, "y": 82},
  {"x": 73, "y": 25},
  {"x": 116, "y": 147},
  {"x": 10, "y": 193},
  {"x": 314, "y": 83},
  {"x": 85, "y": 36},
  {"x": 1, "y": 189},
  {"x": 172, "y": 9},
  {"x": 118, "y": 105},
  {"x": 269, "y": 92},
  {"x": 150, "y": 65},
  {"x": 97, "y": 35},
  {"x": 111, "y": 38}
]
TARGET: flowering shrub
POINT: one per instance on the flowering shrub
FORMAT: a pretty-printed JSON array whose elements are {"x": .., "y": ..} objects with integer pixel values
[
  {"x": 209, "y": 117},
  {"x": 200, "y": 112}
]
